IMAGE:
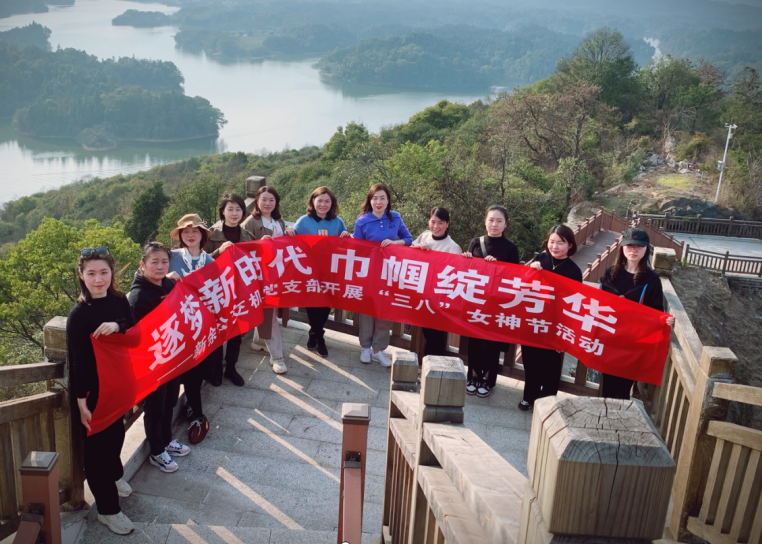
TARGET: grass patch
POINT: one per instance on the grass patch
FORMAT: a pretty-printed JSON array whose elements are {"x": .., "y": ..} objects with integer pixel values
[{"x": 677, "y": 181}]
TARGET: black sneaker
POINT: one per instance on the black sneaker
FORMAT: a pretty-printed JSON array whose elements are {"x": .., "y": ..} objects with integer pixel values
[
  {"x": 483, "y": 389},
  {"x": 321, "y": 349},
  {"x": 233, "y": 375},
  {"x": 216, "y": 379},
  {"x": 471, "y": 387},
  {"x": 524, "y": 406},
  {"x": 312, "y": 344}
]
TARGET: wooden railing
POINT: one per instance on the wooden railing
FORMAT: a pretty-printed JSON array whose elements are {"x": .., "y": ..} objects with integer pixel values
[
  {"x": 659, "y": 238},
  {"x": 724, "y": 262},
  {"x": 594, "y": 271},
  {"x": 705, "y": 225}
]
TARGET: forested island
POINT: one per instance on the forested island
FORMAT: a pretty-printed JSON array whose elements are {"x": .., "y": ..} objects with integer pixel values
[
  {"x": 15, "y": 7},
  {"x": 141, "y": 19},
  {"x": 31, "y": 34},
  {"x": 70, "y": 94}
]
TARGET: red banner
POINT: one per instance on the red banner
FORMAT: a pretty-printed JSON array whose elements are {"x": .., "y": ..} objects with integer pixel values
[{"x": 470, "y": 297}]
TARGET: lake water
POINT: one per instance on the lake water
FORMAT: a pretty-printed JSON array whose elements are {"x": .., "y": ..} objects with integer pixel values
[{"x": 269, "y": 105}]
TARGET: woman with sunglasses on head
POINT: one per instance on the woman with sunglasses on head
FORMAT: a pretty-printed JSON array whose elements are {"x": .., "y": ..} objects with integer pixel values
[
  {"x": 437, "y": 239},
  {"x": 265, "y": 223},
  {"x": 378, "y": 223},
  {"x": 322, "y": 220},
  {"x": 191, "y": 235},
  {"x": 543, "y": 367},
  {"x": 224, "y": 233},
  {"x": 484, "y": 355},
  {"x": 101, "y": 309},
  {"x": 633, "y": 278},
  {"x": 149, "y": 288}
]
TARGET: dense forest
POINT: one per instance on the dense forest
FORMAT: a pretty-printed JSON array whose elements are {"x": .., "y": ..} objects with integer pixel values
[
  {"x": 68, "y": 93},
  {"x": 14, "y": 7},
  {"x": 32, "y": 34},
  {"x": 141, "y": 19}
]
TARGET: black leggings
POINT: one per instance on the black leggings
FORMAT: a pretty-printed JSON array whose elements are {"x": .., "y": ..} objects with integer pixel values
[
  {"x": 542, "y": 372},
  {"x": 317, "y": 318},
  {"x": 483, "y": 358},
  {"x": 103, "y": 464},
  {"x": 192, "y": 381},
  {"x": 436, "y": 342},
  {"x": 157, "y": 415},
  {"x": 614, "y": 387}
]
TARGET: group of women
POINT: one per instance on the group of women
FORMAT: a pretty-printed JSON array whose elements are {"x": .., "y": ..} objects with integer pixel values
[{"x": 102, "y": 310}]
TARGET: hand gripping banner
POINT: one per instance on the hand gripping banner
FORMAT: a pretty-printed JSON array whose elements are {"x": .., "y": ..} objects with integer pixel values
[{"x": 469, "y": 297}]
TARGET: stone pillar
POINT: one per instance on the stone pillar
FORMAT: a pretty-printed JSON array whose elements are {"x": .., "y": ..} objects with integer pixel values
[
  {"x": 253, "y": 183},
  {"x": 597, "y": 468},
  {"x": 664, "y": 260}
]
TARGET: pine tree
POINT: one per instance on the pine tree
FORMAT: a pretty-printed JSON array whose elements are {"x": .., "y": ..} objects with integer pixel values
[{"x": 146, "y": 213}]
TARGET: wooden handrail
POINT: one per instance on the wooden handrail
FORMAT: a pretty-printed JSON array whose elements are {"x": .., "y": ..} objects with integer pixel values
[
  {"x": 31, "y": 373},
  {"x": 738, "y": 393}
]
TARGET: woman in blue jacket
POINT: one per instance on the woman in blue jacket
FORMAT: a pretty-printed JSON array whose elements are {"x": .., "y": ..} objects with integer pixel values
[
  {"x": 378, "y": 223},
  {"x": 321, "y": 219}
]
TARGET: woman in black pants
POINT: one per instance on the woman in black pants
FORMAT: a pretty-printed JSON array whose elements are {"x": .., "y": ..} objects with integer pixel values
[
  {"x": 100, "y": 310},
  {"x": 543, "y": 367},
  {"x": 147, "y": 291},
  {"x": 632, "y": 278},
  {"x": 484, "y": 355}
]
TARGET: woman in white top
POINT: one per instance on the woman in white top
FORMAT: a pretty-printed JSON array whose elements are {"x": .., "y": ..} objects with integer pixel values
[
  {"x": 437, "y": 239},
  {"x": 265, "y": 222}
]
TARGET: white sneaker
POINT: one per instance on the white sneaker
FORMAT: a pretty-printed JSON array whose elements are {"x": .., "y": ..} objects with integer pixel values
[
  {"x": 279, "y": 366},
  {"x": 164, "y": 462},
  {"x": 257, "y": 344},
  {"x": 381, "y": 358},
  {"x": 123, "y": 488},
  {"x": 365, "y": 356},
  {"x": 117, "y": 523},
  {"x": 175, "y": 449}
]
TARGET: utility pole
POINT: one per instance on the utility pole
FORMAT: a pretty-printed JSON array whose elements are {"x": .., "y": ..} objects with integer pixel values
[{"x": 730, "y": 128}]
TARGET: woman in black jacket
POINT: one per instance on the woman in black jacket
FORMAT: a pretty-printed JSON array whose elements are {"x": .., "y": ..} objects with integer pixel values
[
  {"x": 632, "y": 278},
  {"x": 100, "y": 310},
  {"x": 148, "y": 290},
  {"x": 543, "y": 367},
  {"x": 484, "y": 355}
]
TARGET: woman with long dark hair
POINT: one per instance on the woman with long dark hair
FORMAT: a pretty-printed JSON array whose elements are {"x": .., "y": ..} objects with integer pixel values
[
  {"x": 149, "y": 288},
  {"x": 437, "y": 238},
  {"x": 226, "y": 232},
  {"x": 321, "y": 219},
  {"x": 100, "y": 310},
  {"x": 543, "y": 367},
  {"x": 484, "y": 355},
  {"x": 378, "y": 223},
  {"x": 633, "y": 278},
  {"x": 264, "y": 223}
]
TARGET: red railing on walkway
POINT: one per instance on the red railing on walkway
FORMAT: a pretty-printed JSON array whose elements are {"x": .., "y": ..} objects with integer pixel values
[{"x": 354, "y": 447}]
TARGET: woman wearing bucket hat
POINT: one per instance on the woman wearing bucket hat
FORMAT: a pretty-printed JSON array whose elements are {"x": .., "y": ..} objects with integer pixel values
[
  {"x": 191, "y": 235},
  {"x": 631, "y": 277}
]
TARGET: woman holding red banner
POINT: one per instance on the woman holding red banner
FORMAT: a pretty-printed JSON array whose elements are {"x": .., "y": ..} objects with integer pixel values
[
  {"x": 543, "y": 367},
  {"x": 378, "y": 223},
  {"x": 191, "y": 234},
  {"x": 225, "y": 233},
  {"x": 101, "y": 309},
  {"x": 484, "y": 355},
  {"x": 265, "y": 223},
  {"x": 633, "y": 278},
  {"x": 437, "y": 239},
  {"x": 321, "y": 219},
  {"x": 149, "y": 288}
]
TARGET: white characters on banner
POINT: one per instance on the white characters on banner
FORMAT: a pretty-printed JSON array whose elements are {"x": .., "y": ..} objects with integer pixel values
[
  {"x": 217, "y": 293},
  {"x": 461, "y": 283},
  {"x": 168, "y": 342},
  {"x": 349, "y": 267}
]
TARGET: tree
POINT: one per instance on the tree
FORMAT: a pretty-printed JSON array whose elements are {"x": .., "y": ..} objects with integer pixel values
[
  {"x": 146, "y": 212},
  {"x": 745, "y": 110},
  {"x": 38, "y": 277},
  {"x": 343, "y": 142},
  {"x": 665, "y": 78},
  {"x": 200, "y": 196}
]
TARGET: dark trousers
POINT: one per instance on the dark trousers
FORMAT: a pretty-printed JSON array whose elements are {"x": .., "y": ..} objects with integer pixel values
[
  {"x": 542, "y": 372},
  {"x": 103, "y": 465},
  {"x": 614, "y": 387},
  {"x": 157, "y": 415},
  {"x": 192, "y": 380},
  {"x": 436, "y": 342},
  {"x": 317, "y": 318},
  {"x": 232, "y": 351},
  {"x": 483, "y": 358}
]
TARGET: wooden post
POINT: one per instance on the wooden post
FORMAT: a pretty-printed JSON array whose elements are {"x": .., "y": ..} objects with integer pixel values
[
  {"x": 597, "y": 468},
  {"x": 725, "y": 262},
  {"x": 39, "y": 480},
  {"x": 443, "y": 396},
  {"x": 698, "y": 223},
  {"x": 68, "y": 436},
  {"x": 417, "y": 342},
  {"x": 354, "y": 446},
  {"x": 717, "y": 366},
  {"x": 730, "y": 226}
]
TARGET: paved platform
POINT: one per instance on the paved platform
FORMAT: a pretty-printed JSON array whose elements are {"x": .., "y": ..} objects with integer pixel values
[
  {"x": 596, "y": 245},
  {"x": 720, "y": 244},
  {"x": 270, "y": 462}
]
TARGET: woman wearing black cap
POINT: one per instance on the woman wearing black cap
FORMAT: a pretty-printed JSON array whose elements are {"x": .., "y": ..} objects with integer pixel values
[{"x": 632, "y": 278}]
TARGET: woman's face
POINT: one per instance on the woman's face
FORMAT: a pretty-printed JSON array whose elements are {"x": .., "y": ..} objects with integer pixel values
[
  {"x": 266, "y": 203},
  {"x": 379, "y": 201},
  {"x": 437, "y": 226},
  {"x": 558, "y": 247},
  {"x": 191, "y": 236},
  {"x": 155, "y": 267},
  {"x": 633, "y": 253},
  {"x": 232, "y": 213},
  {"x": 495, "y": 223},
  {"x": 97, "y": 277},
  {"x": 322, "y": 204}
]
